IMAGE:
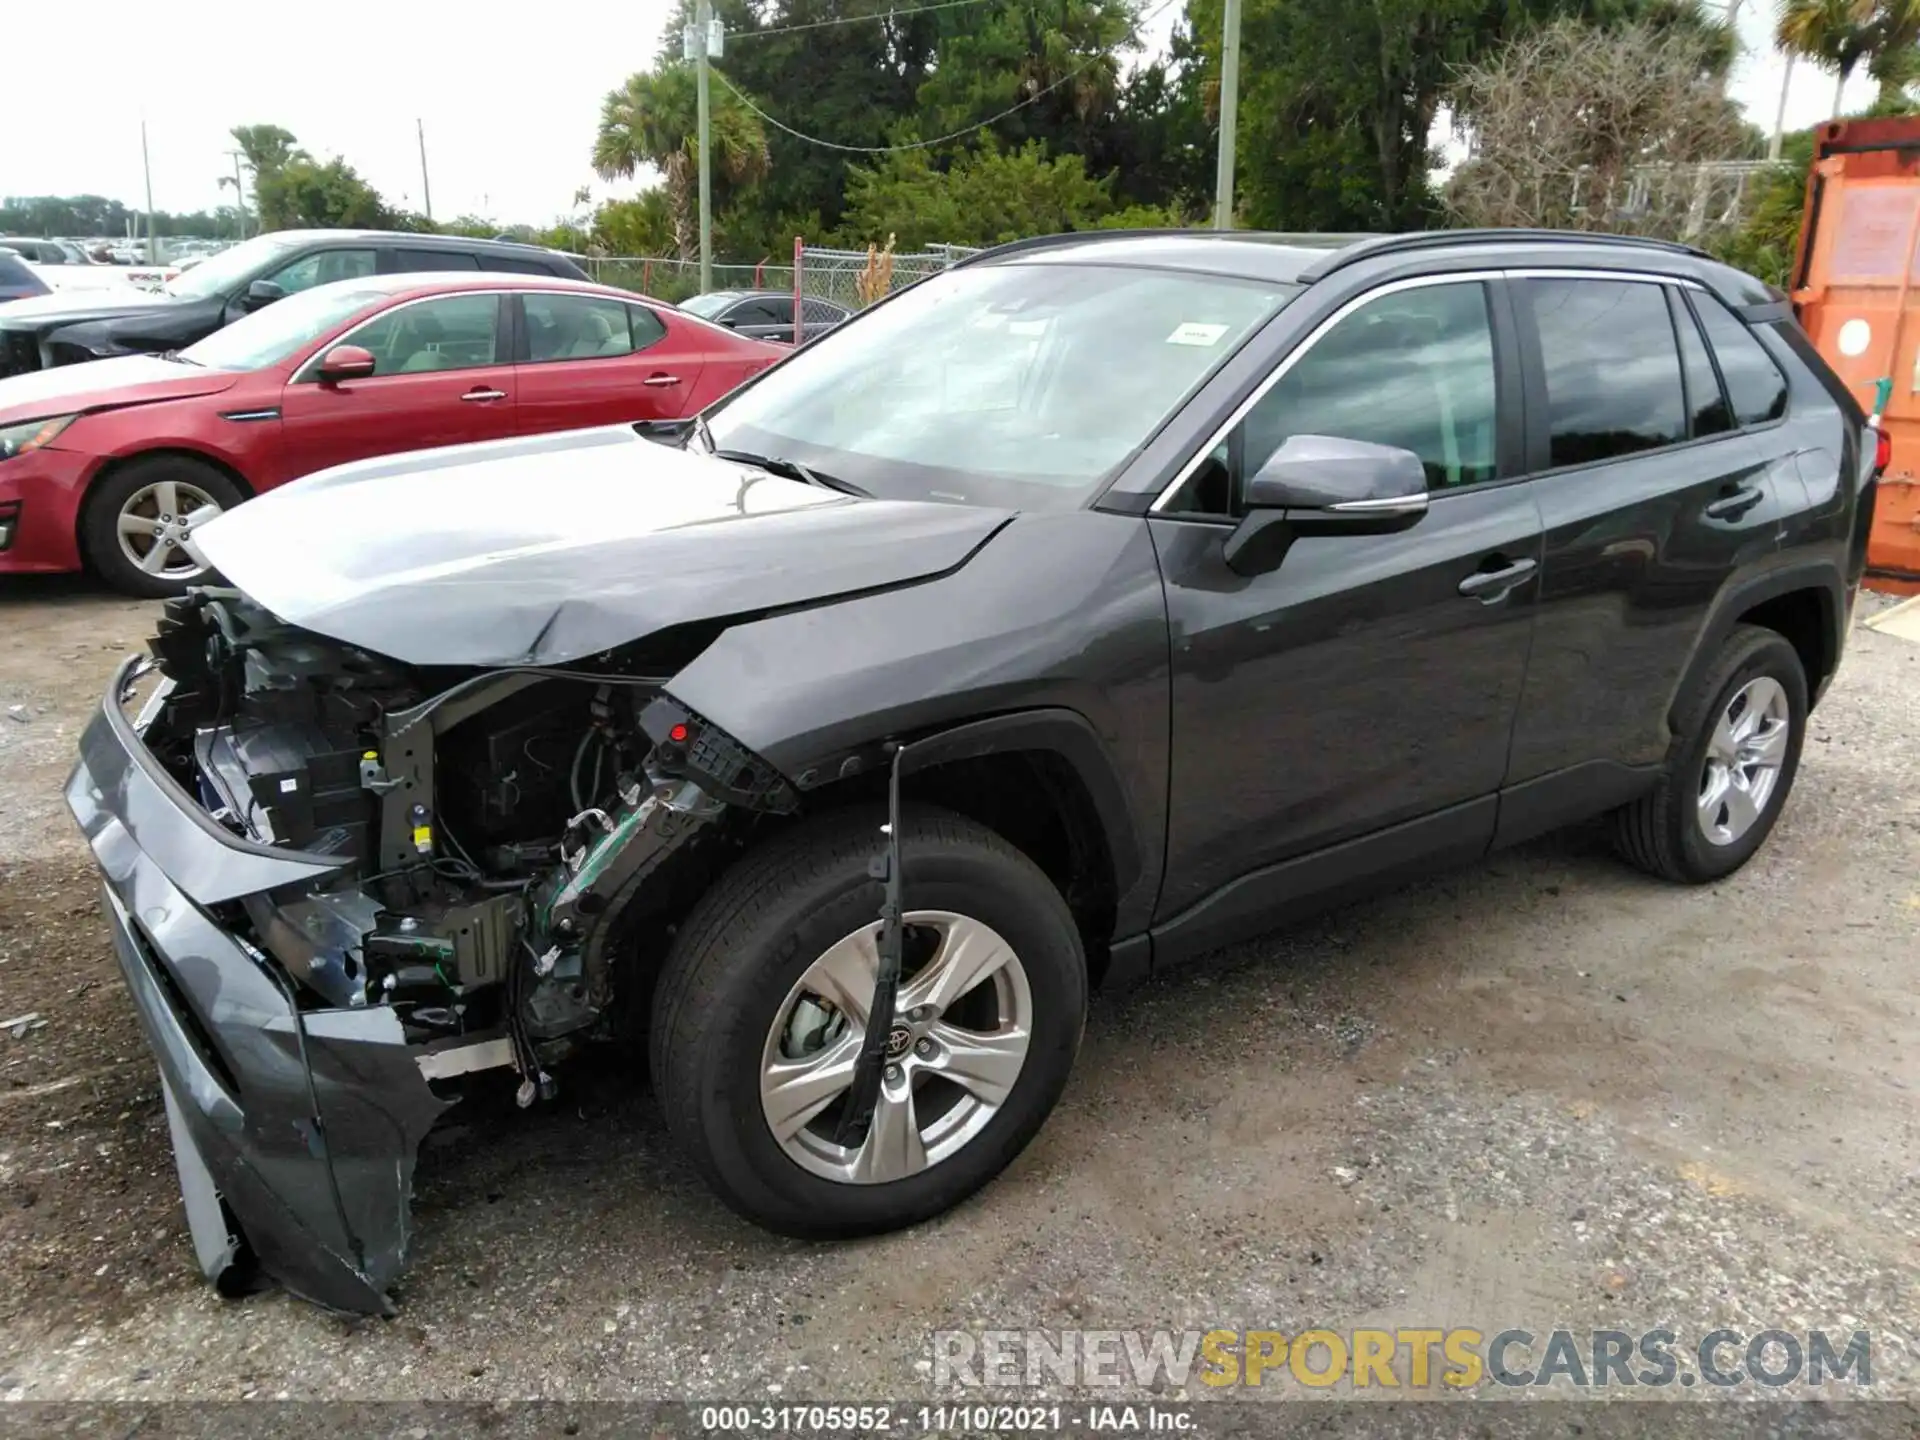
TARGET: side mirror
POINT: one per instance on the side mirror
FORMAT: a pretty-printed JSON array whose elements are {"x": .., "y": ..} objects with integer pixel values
[
  {"x": 1324, "y": 485},
  {"x": 262, "y": 292},
  {"x": 345, "y": 362}
]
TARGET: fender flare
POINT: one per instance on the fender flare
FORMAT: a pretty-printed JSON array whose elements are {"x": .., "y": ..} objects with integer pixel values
[
  {"x": 1821, "y": 576},
  {"x": 1066, "y": 733}
]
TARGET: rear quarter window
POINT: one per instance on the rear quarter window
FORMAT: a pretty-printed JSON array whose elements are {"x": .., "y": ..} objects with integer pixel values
[{"x": 1755, "y": 386}]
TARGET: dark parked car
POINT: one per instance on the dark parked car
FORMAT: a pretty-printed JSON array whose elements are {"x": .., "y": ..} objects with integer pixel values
[
  {"x": 88, "y": 324},
  {"x": 766, "y": 314},
  {"x": 17, "y": 280},
  {"x": 1074, "y": 612}
]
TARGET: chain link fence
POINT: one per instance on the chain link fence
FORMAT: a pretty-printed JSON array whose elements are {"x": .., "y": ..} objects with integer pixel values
[{"x": 825, "y": 274}]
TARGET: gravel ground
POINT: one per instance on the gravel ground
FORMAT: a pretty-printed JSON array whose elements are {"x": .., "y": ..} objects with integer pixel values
[{"x": 1544, "y": 1092}]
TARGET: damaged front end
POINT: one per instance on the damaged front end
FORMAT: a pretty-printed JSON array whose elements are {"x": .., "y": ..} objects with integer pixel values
[{"x": 338, "y": 884}]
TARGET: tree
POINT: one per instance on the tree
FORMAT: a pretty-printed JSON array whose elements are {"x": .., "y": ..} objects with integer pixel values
[
  {"x": 1338, "y": 100},
  {"x": 1159, "y": 143},
  {"x": 1894, "y": 60},
  {"x": 1058, "y": 61},
  {"x": 266, "y": 148},
  {"x": 641, "y": 226},
  {"x": 302, "y": 194},
  {"x": 1580, "y": 128},
  {"x": 1836, "y": 35},
  {"x": 983, "y": 198},
  {"x": 652, "y": 120}
]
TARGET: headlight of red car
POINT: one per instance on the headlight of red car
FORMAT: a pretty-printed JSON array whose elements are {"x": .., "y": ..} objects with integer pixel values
[{"x": 18, "y": 439}]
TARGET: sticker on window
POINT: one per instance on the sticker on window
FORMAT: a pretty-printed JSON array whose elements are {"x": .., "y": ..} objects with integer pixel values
[{"x": 1192, "y": 332}]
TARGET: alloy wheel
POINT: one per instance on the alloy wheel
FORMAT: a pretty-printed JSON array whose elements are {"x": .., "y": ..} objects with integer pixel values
[
  {"x": 1744, "y": 755},
  {"x": 156, "y": 524},
  {"x": 963, "y": 1022}
]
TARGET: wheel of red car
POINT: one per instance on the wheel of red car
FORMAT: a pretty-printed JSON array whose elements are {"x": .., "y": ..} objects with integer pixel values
[
  {"x": 761, "y": 1008},
  {"x": 138, "y": 520}
]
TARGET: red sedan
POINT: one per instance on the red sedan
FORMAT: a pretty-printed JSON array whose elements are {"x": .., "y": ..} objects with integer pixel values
[{"x": 110, "y": 464}]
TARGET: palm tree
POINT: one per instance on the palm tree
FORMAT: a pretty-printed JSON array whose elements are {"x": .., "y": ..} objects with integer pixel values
[
  {"x": 266, "y": 148},
  {"x": 1894, "y": 61},
  {"x": 1834, "y": 34},
  {"x": 653, "y": 120}
]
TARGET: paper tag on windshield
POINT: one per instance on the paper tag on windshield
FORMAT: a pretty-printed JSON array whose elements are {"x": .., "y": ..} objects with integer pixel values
[{"x": 1194, "y": 333}]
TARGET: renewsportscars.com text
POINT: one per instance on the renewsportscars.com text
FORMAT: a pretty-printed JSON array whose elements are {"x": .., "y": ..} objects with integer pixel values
[{"x": 1457, "y": 1358}]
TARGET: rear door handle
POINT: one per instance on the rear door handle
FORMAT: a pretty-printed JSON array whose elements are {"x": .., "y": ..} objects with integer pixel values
[
  {"x": 482, "y": 393},
  {"x": 1488, "y": 586},
  {"x": 659, "y": 382},
  {"x": 1735, "y": 503}
]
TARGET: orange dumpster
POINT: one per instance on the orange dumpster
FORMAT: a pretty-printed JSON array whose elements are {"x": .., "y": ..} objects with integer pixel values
[{"x": 1856, "y": 289}]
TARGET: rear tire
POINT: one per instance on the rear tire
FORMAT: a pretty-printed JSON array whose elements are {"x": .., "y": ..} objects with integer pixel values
[
  {"x": 730, "y": 1000},
  {"x": 1736, "y": 750},
  {"x": 136, "y": 518}
]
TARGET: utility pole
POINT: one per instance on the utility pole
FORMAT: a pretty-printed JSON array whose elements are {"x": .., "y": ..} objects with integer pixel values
[
  {"x": 426, "y": 190},
  {"x": 1229, "y": 116},
  {"x": 700, "y": 42},
  {"x": 147, "y": 170},
  {"x": 239, "y": 195}
]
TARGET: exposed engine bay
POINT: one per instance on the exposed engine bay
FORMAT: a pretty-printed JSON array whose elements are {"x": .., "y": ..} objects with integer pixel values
[{"x": 501, "y": 837}]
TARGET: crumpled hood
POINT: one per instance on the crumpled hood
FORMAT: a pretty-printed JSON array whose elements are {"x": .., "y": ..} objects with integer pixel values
[
  {"x": 105, "y": 384},
  {"x": 547, "y": 549}
]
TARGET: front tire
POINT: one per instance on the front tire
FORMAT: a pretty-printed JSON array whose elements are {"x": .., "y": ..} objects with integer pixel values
[
  {"x": 760, "y": 1007},
  {"x": 1736, "y": 751},
  {"x": 138, "y": 518}
]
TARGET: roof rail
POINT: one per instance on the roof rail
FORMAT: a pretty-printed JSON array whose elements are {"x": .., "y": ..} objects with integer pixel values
[
  {"x": 1081, "y": 237},
  {"x": 1436, "y": 239}
]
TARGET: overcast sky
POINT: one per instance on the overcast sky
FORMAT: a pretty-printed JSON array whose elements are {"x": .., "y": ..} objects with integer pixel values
[{"x": 510, "y": 95}]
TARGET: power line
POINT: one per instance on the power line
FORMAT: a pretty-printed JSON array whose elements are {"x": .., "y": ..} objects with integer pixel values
[
  {"x": 1071, "y": 75},
  {"x": 855, "y": 19}
]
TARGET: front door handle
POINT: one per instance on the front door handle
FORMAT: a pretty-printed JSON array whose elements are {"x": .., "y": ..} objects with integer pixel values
[
  {"x": 482, "y": 393},
  {"x": 1735, "y": 503},
  {"x": 660, "y": 382},
  {"x": 1487, "y": 586}
]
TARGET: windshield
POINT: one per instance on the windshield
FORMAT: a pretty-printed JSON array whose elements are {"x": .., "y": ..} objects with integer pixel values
[
  {"x": 709, "y": 305},
  {"x": 222, "y": 273},
  {"x": 269, "y": 336},
  {"x": 1025, "y": 385}
]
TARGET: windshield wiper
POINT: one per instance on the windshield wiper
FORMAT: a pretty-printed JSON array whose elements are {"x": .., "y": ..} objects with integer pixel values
[
  {"x": 178, "y": 358},
  {"x": 793, "y": 470}
]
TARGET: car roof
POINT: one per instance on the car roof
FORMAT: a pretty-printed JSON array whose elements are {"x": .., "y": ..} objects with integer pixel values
[
  {"x": 428, "y": 282},
  {"x": 424, "y": 239},
  {"x": 732, "y": 295},
  {"x": 1304, "y": 259}
]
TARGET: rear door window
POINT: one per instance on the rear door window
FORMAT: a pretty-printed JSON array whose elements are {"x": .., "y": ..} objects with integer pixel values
[
  {"x": 575, "y": 327},
  {"x": 421, "y": 261},
  {"x": 1754, "y": 383},
  {"x": 515, "y": 265},
  {"x": 1612, "y": 369}
]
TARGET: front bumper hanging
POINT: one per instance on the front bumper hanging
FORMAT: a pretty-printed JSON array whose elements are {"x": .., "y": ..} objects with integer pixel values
[{"x": 294, "y": 1132}]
